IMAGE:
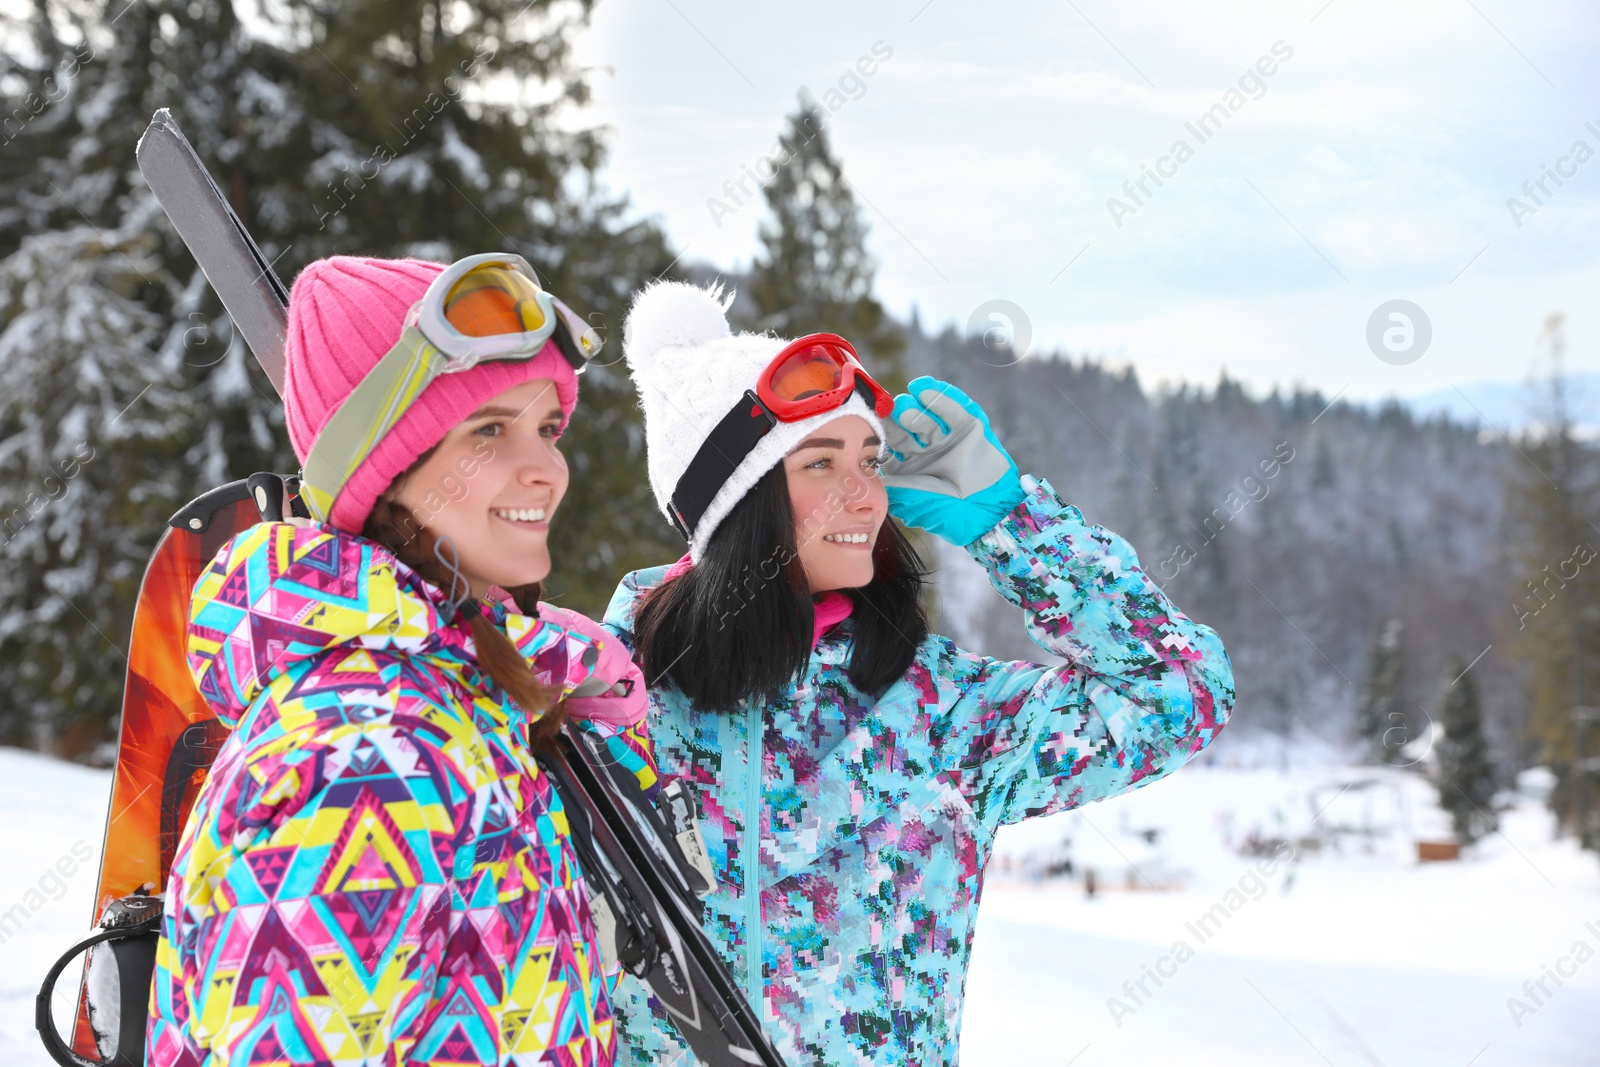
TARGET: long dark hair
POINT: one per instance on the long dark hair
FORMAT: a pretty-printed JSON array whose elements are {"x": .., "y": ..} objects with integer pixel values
[
  {"x": 739, "y": 623},
  {"x": 393, "y": 526}
]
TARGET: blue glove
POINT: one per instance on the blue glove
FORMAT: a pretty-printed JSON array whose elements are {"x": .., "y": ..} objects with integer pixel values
[{"x": 948, "y": 473}]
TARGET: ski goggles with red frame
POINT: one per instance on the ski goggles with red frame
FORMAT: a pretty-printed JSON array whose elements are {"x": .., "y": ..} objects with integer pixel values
[
  {"x": 484, "y": 308},
  {"x": 815, "y": 374}
]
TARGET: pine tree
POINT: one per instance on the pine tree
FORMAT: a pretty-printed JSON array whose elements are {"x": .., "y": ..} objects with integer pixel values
[
  {"x": 98, "y": 317},
  {"x": 1210, "y": 585},
  {"x": 362, "y": 128},
  {"x": 90, "y": 441},
  {"x": 1323, "y": 475},
  {"x": 814, "y": 273},
  {"x": 1175, "y": 472},
  {"x": 1557, "y": 604},
  {"x": 406, "y": 151},
  {"x": 1380, "y": 717},
  {"x": 1466, "y": 777}
]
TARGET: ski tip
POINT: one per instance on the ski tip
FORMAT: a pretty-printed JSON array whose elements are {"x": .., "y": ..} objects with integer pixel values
[{"x": 163, "y": 122}]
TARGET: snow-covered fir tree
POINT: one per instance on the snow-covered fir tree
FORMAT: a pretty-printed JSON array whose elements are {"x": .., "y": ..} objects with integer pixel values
[
  {"x": 1381, "y": 720},
  {"x": 814, "y": 272},
  {"x": 366, "y": 129},
  {"x": 1465, "y": 775},
  {"x": 84, "y": 241},
  {"x": 1554, "y": 606},
  {"x": 408, "y": 142},
  {"x": 92, "y": 426}
]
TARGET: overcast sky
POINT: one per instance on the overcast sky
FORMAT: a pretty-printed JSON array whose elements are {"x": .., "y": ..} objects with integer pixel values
[{"x": 1373, "y": 163}]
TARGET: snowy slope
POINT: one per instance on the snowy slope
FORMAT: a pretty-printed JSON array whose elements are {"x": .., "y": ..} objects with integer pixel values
[
  {"x": 52, "y": 815},
  {"x": 1341, "y": 957},
  {"x": 1357, "y": 958}
]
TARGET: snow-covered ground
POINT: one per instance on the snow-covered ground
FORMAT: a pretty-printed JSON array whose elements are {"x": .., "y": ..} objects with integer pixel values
[
  {"x": 1355, "y": 954},
  {"x": 51, "y": 817}
]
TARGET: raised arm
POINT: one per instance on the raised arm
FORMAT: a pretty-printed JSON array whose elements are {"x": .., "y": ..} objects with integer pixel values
[{"x": 1143, "y": 688}]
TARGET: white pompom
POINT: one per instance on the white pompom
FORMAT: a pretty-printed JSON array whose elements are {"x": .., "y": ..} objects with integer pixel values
[{"x": 674, "y": 315}]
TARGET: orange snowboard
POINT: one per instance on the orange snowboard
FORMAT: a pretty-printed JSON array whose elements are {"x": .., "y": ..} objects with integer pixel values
[{"x": 169, "y": 735}]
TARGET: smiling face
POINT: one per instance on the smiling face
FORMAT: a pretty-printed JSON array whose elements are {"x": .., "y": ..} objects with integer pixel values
[
  {"x": 839, "y": 502},
  {"x": 493, "y": 484}
]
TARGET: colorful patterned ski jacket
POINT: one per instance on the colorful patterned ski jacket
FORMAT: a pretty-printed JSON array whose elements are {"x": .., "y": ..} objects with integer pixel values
[
  {"x": 850, "y": 834},
  {"x": 376, "y": 871}
]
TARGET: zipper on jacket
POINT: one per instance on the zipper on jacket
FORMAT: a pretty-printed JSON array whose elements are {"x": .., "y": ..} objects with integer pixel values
[{"x": 752, "y": 870}]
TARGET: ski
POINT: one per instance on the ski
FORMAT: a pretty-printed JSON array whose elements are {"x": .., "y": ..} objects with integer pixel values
[
  {"x": 250, "y": 289},
  {"x": 645, "y": 867},
  {"x": 651, "y": 887}
]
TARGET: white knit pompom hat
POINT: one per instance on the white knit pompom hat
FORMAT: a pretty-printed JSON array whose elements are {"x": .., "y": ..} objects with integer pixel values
[{"x": 690, "y": 368}]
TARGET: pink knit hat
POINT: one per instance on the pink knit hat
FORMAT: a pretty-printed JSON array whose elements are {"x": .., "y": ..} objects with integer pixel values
[{"x": 345, "y": 313}]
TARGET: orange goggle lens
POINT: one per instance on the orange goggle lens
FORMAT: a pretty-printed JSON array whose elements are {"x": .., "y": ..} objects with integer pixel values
[
  {"x": 809, "y": 372},
  {"x": 493, "y": 300}
]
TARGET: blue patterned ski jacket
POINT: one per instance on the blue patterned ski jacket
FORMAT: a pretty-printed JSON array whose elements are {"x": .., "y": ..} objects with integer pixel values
[{"x": 850, "y": 834}]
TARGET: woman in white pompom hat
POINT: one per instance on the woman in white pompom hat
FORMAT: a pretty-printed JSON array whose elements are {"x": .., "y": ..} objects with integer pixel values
[{"x": 853, "y": 767}]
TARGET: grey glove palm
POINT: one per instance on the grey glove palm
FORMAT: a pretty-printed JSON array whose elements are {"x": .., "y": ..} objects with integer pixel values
[{"x": 948, "y": 473}]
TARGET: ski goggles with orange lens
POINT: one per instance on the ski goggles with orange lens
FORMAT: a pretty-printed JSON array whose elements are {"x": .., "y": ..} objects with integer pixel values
[
  {"x": 817, "y": 373},
  {"x": 484, "y": 308},
  {"x": 491, "y": 306}
]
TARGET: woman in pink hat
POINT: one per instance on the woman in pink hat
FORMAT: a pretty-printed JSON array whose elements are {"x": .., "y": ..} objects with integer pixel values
[{"x": 376, "y": 870}]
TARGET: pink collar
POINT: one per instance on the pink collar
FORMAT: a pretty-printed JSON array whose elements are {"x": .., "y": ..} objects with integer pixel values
[{"x": 832, "y": 609}]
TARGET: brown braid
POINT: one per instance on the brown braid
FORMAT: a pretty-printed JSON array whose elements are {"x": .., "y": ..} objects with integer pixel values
[{"x": 392, "y": 525}]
